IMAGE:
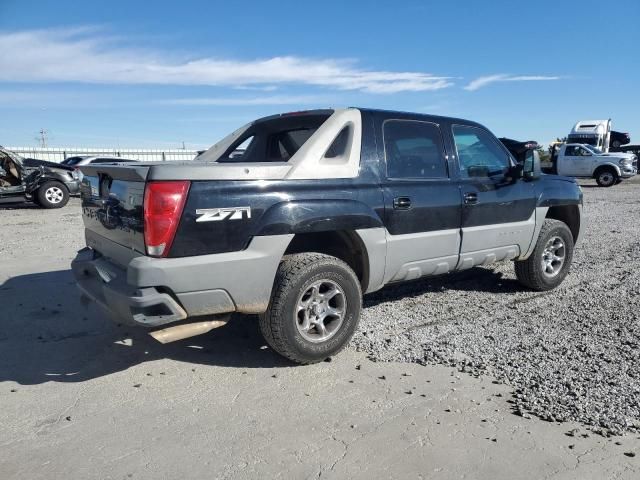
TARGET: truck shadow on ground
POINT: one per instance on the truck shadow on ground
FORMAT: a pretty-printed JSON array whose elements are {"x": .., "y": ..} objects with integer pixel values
[
  {"x": 19, "y": 206},
  {"x": 46, "y": 334},
  {"x": 474, "y": 280}
]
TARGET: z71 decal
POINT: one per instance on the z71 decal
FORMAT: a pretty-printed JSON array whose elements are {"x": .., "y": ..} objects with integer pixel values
[{"x": 219, "y": 214}]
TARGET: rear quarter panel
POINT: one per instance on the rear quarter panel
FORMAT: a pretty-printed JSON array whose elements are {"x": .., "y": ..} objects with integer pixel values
[{"x": 275, "y": 207}]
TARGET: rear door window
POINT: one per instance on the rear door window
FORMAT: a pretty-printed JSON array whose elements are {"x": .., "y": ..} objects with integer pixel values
[{"x": 414, "y": 149}]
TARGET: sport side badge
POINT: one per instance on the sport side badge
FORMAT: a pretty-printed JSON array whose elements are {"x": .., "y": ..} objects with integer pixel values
[{"x": 219, "y": 214}]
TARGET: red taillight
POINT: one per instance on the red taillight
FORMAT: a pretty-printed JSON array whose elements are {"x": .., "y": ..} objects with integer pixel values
[{"x": 163, "y": 204}]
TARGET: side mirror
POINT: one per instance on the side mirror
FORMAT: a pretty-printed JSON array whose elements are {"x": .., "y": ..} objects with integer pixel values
[
  {"x": 515, "y": 172},
  {"x": 531, "y": 166}
]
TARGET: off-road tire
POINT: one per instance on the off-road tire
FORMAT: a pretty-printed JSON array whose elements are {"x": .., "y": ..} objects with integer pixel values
[
  {"x": 530, "y": 272},
  {"x": 606, "y": 177},
  {"x": 296, "y": 273},
  {"x": 44, "y": 198}
]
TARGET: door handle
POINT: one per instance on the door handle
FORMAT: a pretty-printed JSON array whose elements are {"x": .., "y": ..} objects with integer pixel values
[
  {"x": 402, "y": 203},
  {"x": 470, "y": 198}
]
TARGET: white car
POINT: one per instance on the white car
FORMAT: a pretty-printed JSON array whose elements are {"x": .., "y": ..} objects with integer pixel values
[
  {"x": 79, "y": 161},
  {"x": 586, "y": 161}
]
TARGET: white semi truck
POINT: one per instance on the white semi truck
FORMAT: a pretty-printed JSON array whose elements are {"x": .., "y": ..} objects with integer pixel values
[{"x": 596, "y": 133}]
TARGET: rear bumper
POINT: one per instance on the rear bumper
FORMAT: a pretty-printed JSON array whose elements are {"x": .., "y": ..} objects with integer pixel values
[
  {"x": 157, "y": 291},
  {"x": 102, "y": 282}
]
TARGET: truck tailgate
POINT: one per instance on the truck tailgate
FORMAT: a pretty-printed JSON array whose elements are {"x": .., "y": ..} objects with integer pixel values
[{"x": 112, "y": 201}]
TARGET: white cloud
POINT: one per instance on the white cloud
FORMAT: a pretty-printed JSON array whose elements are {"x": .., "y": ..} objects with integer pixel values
[
  {"x": 251, "y": 101},
  {"x": 83, "y": 55},
  {"x": 489, "y": 79},
  {"x": 49, "y": 99}
]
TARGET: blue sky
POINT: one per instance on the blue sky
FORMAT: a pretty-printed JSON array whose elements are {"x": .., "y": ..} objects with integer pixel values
[{"x": 155, "y": 74}]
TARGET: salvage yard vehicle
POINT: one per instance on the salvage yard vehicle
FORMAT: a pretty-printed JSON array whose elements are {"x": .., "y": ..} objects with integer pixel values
[
  {"x": 586, "y": 161},
  {"x": 321, "y": 207},
  {"x": 596, "y": 133},
  {"x": 44, "y": 183},
  {"x": 523, "y": 152},
  {"x": 618, "y": 139},
  {"x": 77, "y": 162}
]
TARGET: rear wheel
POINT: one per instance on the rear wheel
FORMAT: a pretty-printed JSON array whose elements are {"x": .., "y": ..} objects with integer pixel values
[
  {"x": 606, "y": 177},
  {"x": 52, "y": 195},
  {"x": 314, "y": 309},
  {"x": 549, "y": 263}
]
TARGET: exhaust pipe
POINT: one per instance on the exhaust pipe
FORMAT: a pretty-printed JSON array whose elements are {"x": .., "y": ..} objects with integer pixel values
[{"x": 180, "y": 332}]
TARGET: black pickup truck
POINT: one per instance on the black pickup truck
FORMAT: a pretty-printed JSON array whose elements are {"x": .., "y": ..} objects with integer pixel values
[{"x": 320, "y": 207}]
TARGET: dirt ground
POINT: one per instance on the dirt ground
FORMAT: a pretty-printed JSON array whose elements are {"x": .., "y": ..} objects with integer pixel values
[{"x": 84, "y": 398}]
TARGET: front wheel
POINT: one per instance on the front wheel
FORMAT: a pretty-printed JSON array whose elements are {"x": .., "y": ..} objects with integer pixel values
[
  {"x": 549, "y": 263},
  {"x": 314, "y": 308},
  {"x": 606, "y": 178},
  {"x": 52, "y": 195}
]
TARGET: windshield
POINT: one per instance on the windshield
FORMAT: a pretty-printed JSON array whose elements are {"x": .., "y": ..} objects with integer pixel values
[
  {"x": 592, "y": 148},
  {"x": 583, "y": 139},
  {"x": 13, "y": 156},
  {"x": 273, "y": 139}
]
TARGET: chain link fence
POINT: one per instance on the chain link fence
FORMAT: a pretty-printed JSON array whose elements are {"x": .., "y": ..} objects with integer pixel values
[{"x": 140, "y": 154}]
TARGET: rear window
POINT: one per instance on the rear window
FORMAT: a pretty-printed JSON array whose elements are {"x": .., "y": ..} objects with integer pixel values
[
  {"x": 71, "y": 161},
  {"x": 271, "y": 140},
  {"x": 110, "y": 160}
]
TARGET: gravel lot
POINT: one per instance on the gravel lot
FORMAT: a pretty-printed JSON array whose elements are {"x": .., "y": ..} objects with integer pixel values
[
  {"x": 569, "y": 354},
  {"x": 82, "y": 397}
]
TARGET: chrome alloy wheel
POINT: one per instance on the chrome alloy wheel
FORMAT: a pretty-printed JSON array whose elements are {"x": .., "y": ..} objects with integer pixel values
[
  {"x": 320, "y": 311},
  {"x": 54, "y": 194},
  {"x": 553, "y": 257}
]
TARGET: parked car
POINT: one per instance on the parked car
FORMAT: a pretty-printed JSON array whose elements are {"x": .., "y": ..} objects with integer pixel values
[
  {"x": 525, "y": 153},
  {"x": 44, "y": 183},
  {"x": 519, "y": 150},
  {"x": 71, "y": 161},
  {"x": 618, "y": 139},
  {"x": 586, "y": 161},
  {"x": 80, "y": 161},
  {"x": 321, "y": 206}
]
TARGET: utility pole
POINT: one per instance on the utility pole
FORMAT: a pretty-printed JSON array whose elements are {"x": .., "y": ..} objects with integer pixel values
[
  {"x": 183, "y": 147},
  {"x": 43, "y": 137}
]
